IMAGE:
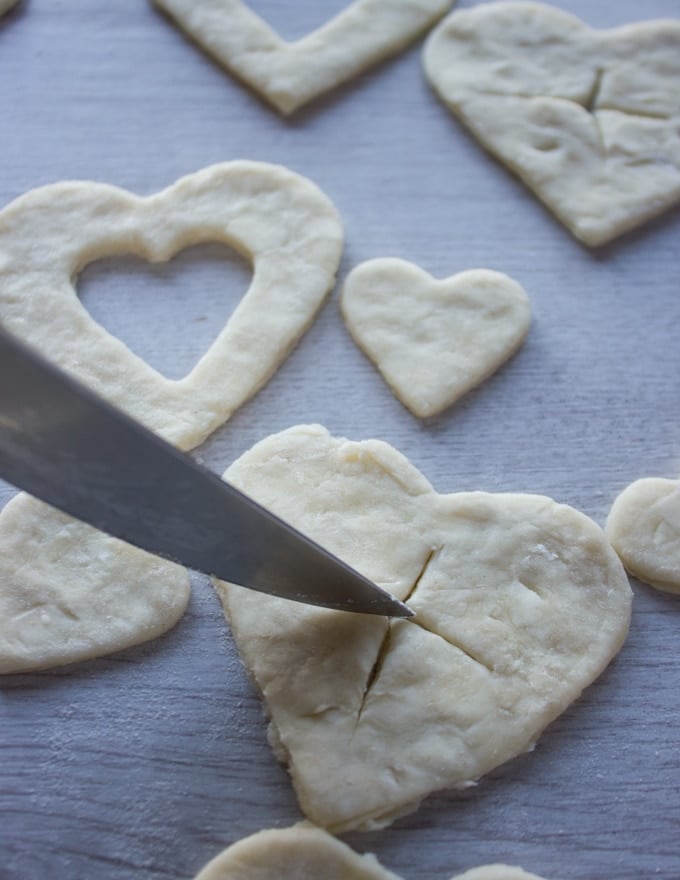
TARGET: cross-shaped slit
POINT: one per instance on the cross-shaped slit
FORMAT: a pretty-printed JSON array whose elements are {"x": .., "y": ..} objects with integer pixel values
[{"x": 379, "y": 661}]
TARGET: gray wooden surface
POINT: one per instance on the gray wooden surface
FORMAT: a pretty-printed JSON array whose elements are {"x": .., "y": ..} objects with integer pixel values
[{"x": 143, "y": 765}]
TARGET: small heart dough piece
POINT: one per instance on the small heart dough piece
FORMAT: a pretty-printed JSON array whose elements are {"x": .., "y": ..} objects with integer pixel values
[
  {"x": 433, "y": 340},
  {"x": 279, "y": 219},
  {"x": 520, "y": 603},
  {"x": 589, "y": 120},
  {"x": 69, "y": 592},
  {"x": 289, "y": 75},
  {"x": 304, "y": 852},
  {"x": 644, "y": 528}
]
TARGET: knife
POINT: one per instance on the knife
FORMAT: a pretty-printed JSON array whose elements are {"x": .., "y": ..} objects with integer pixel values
[{"x": 69, "y": 447}]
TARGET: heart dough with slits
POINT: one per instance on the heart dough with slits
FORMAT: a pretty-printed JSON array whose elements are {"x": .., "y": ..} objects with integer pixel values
[
  {"x": 69, "y": 592},
  {"x": 304, "y": 852},
  {"x": 588, "y": 119},
  {"x": 644, "y": 528},
  {"x": 289, "y": 75},
  {"x": 520, "y": 603},
  {"x": 433, "y": 340},
  {"x": 279, "y": 219}
]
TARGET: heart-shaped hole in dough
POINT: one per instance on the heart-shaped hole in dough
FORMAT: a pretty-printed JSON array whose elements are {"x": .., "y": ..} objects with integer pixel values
[
  {"x": 189, "y": 300},
  {"x": 307, "y": 18}
]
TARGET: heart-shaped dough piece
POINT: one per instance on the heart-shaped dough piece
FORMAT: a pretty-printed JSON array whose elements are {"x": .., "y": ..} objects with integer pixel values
[
  {"x": 69, "y": 592},
  {"x": 433, "y": 340},
  {"x": 589, "y": 120},
  {"x": 304, "y": 852},
  {"x": 289, "y": 75},
  {"x": 520, "y": 603},
  {"x": 279, "y": 219},
  {"x": 644, "y": 528}
]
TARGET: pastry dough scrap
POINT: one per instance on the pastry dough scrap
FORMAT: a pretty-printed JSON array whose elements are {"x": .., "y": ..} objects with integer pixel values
[
  {"x": 69, "y": 592},
  {"x": 304, "y": 852},
  {"x": 279, "y": 219},
  {"x": 433, "y": 340},
  {"x": 644, "y": 528},
  {"x": 520, "y": 603},
  {"x": 289, "y": 75},
  {"x": 588, "y": 119}
]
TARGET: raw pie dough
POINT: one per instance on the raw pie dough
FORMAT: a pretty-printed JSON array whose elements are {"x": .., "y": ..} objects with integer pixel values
[
  {"x": 69, "y": 592},
  {"x": 644, "y": 528},
  {"x": 590, "y": 120},
  {"x": 279, "y": 219},
  {"x": 433, "y": 340},
  {"x": 304, "y": 852},
  {"x": 521, "y": 602},
  {"x": 289, "y": 75}
]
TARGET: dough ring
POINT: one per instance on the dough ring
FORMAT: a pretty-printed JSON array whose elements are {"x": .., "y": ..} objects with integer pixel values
[
  {"x": 521, "y": 603},
  {"x": 644, "y": 528},
  {"x": 433, "y": 340},
  {"x": 304, "y": 852},
  {"x": 289, "y": 75},
  {"x": 279, "y": 219},
  {"x": 588, "y": 119}
]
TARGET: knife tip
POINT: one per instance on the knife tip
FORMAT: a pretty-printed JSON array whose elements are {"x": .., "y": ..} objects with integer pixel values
[{"x": 400, "y": 609}]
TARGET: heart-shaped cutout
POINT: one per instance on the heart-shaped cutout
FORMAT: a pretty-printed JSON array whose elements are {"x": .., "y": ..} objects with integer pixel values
[
  {"x": 589, "y": 120},
  {"x": 520, "y": 603},
  {"x": 304, "y": 851},
  {"x": 199, "y": 288},
  {"x": 70, "y": 592},
  {"x": 279, "y": 219},
  {"x": 289, "y": 75},
  {"x": 644, "y": 528},
  {"x": 433, "y": 340}
]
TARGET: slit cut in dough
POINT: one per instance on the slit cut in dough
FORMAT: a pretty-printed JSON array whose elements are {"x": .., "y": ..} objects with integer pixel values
[
  {"x": 69, "y": 592},
  {"x": 304, "y": 852},
  {"x": 289, "y": 75},
  {"x": 644, "y": 528},
  {"x": 433, "y": 340},
  {"x": 520, "y": 604},
  {"x": 280, "y": 220},
  {"x": 588, "y": 119}
]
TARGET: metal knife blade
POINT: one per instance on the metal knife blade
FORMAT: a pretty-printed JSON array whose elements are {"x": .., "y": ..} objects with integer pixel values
[{"x": 67, "y": 446}]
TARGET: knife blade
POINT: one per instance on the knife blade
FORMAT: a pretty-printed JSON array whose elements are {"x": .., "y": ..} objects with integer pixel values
[{"x": 69, "y": 447}]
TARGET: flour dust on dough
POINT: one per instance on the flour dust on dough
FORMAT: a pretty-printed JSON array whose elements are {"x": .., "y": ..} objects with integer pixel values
[
  {"x": 588, "y": 119},
  {"x": 69, "y": 592},
  {"x": 433, "y": 340},
  {"x": 280, "y": 220},
  {"x": 644, "y": 528},
  {"x": 289, "y": 75},
  {"x": 304, "y": 852},
  {"x": 520, "y": 603}
]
